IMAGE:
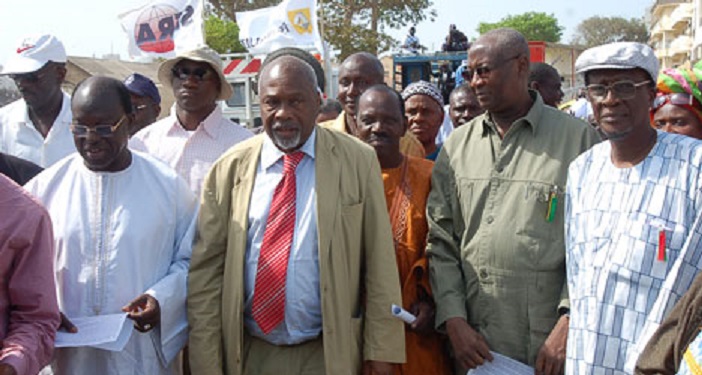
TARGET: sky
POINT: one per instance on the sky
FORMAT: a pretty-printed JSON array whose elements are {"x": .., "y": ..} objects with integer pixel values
[{"x": 91, "y": 27}]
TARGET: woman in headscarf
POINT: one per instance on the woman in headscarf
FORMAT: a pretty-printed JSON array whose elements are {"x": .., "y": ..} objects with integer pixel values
[{"x": 678, "y": 105}]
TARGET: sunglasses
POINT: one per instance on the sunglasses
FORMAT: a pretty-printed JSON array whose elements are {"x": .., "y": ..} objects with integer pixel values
[
  {"x": 200, "y": 74},
  {"x": 32, "y": 77},
  {"x": 680, "y": 99},
  {"x": 103, "y": 131},
  {"x": 622, "y": 89},
  {"x": 484, "y": 71}
]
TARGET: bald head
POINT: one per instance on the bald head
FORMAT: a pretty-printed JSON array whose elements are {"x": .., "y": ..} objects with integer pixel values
[
  {"x": 101, "y": 93},
  {"x": 368, "y": 64},
  {"x": 504, "y": 43},
  {"x": 102, "y": 114}
]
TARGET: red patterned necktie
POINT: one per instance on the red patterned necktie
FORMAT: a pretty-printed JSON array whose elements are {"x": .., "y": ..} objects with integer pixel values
[{"x": 268, "y": 308}]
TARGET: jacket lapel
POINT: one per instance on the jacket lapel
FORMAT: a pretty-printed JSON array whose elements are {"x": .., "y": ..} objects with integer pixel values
[{"x": 327, "y": 184}]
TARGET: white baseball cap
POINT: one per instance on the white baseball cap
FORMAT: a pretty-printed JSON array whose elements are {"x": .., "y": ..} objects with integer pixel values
[{"x": 33, "y": 53}]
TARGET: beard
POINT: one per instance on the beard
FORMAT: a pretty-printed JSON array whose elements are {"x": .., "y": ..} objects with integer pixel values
[{"x": 286, "y": 143}]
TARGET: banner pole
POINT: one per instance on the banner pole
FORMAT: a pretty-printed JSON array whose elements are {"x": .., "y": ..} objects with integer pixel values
[{"x": 325, "y": 53}]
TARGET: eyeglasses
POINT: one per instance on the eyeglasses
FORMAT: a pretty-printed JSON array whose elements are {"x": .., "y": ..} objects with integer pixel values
[
  {"x": 484, "y": 71},
  {"x": 32, "y": 77},
  {"x": 622, "y": 89},
  {"x": 681, "y": 99},
  {"x": 140, "y": 107},
  {"x": 200, "y": 74},
  {"x": 103, "y": 131}
]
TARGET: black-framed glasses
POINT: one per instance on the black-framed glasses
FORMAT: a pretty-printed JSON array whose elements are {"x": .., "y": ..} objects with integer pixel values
[
  {"x": 200, "y": 73},
  {"x": 103, "y": 131},
  {"x": 621, "y": 89},
  {"x": 31, "y": 77},
  {"x": 485, "y": 70}
]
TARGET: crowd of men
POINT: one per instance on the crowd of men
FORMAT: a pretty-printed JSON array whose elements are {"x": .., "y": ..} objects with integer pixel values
[{"x": 522, "y": 233}]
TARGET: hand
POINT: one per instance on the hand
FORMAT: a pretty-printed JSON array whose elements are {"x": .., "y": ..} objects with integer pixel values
[
  {"x": 145, "y": 312},
  {"x": 67, "y": 325},
  {"x": 424, "y": 312},
  {"x": 377, "y": 368},
  {"x": 551, "y": 357},
  {"x": 6, "y": 369},
  {"x": 469, "y": 347}
]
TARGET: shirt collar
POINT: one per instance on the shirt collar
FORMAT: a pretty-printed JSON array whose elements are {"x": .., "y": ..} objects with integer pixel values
[
  {"x": 532, "y": 118},
  {"x": 271, "y": 154},
  {"x": 210, "y": 124}
]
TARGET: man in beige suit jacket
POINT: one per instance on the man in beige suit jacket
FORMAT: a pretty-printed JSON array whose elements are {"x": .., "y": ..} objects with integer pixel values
[{"x": 358, "y": 279}]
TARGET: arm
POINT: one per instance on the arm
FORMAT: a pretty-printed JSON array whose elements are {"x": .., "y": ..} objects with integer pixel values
[
  {"x": 205, "y": 282},
  {"x": 445, "y": 266},
  {"x": 443, "y": 252},
  {"x": 383, "y": 336},
  {"x": 170, "y": 292},
  {"x": 33, "y": 310}
]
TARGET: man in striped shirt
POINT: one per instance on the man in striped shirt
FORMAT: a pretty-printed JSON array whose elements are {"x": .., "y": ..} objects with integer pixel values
[{"x": 633, "y": 222}]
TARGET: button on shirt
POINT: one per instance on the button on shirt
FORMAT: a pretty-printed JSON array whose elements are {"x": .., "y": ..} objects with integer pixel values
[
  {"x": 494, "y": 257},
  {"x": 190, "y": 153},
  {"x": 19, "y": 137},
  {"x": 303, "y": 314}
]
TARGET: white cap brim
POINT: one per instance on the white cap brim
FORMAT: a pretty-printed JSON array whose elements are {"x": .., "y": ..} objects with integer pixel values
[{"x": 18, "y": 64}]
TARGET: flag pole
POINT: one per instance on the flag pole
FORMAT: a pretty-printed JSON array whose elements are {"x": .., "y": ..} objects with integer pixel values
[{"x": 325, "y": 51}]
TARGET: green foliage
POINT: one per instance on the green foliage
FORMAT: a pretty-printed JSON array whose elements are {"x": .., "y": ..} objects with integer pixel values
[
  {"x": 535, "y": 26},
  {"x": 353, "y": 26},
  {"x": 597, "y": 30},
  {"x": 348, "y": 25},
  {"x": 222, "y": 35}
]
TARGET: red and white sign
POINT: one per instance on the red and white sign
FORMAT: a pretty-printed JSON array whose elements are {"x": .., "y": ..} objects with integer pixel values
[
  {"x": 161, "y": 28},
  {"x": 242, "y": 66}
]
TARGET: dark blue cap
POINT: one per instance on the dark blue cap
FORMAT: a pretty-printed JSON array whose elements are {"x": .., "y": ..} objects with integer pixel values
[{"x": 141, "y": 85}]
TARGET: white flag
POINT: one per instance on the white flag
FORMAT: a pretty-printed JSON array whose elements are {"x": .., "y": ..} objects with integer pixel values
[
  {"x": 162, "y": 28},
  {"x": 292, "y": 23}
]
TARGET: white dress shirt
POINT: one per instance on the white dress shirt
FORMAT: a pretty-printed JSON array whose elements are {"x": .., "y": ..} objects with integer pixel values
[
  {"x": 190, "y": 153},
  {"x": 19, "y": 137},
  {"x": 303, "y": 312}
]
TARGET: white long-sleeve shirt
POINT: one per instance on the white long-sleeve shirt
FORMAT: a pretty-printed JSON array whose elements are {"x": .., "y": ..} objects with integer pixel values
[{"x": 119, "y": 235}]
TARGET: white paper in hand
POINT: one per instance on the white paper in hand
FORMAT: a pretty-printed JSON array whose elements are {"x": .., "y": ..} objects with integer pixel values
[
  {"x": 503, "y": 366},
  {"x": 107, "y": 332},
  {"x": 402, "y": 314}
]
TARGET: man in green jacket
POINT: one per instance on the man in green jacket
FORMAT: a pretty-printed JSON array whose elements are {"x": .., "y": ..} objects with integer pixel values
[{"x": 496, "y": 243}]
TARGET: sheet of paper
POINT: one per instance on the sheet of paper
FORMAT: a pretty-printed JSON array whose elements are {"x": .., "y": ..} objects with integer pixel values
[
  {"x": 503, "y": 366},
  {"x": 108, "y": 332}
]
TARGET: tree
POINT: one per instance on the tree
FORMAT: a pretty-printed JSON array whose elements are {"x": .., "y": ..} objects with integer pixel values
[
  {"x": 222, "y": 35},
  {"x": 228, "y": 8},
  {"x": 350, "y": 26},
  {"x": 533, "y": 25},
  {"x": 597, "y": 30},
  {"x": 353, "y": 26}
]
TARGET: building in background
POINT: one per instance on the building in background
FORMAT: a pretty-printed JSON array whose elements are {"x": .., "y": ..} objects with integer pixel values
[{"x": 676, "y": 31}]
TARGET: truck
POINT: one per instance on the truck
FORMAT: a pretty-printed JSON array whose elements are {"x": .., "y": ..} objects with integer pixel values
[{"x": 439, "y": 67}]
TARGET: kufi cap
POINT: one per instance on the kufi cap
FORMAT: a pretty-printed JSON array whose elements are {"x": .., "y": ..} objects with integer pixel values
[{"x": 423, "y": 88}]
